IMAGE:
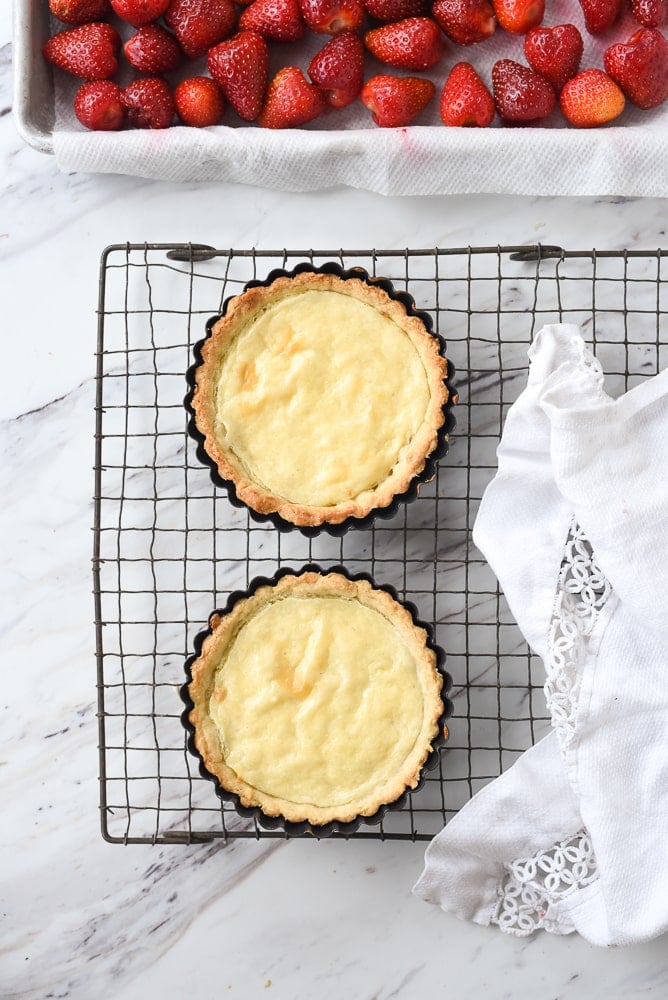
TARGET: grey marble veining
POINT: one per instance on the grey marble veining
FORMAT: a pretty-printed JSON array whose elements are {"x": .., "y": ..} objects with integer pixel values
[{"x": 85, "y": 919}]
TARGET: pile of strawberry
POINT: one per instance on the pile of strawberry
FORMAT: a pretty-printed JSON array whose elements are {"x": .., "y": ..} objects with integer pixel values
[{"x": 408, "y": 35}]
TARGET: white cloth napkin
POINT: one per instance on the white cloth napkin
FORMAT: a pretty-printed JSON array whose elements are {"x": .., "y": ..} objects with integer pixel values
[
  {"x": 344, "y": 147},
  {"x": 574, "y": 836}
]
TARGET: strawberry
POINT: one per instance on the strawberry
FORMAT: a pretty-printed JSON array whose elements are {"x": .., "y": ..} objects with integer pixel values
[
  {"x": 395, "y": 101},
  {"x": 650, "y": 13},
  {"x": 465, "y": 100},
  {"x": 79, "y": 11},
  {"x": 199, "y": 24},
  {"x": 465, "y": 21},
  {"x": 277, "y": 20},
  {"x": 98, "y": 106},
  {"x": 329, "y": 17},
  {"x": 338, "y": 69},
  {"x": 395, "y": 10},
  {"x": 640, "y": 67},
  {"x": 519, "y": 16},
  {"x": 599, "y": 15},
  {"x": 199, "y": 102},
  {"x": 414, "y": 43},
  {"x": 555, "y": 53},
  {"x": 520, "y": 94},
  {"x": 153, "y": 50},
  {"x": 291, "y": 100},
  {"x": 139, "y": 12},
  {"x": 591, "y": 99},
  {"x": 149, "y": 102},
  {"x": 88, "y": 51},
  {"x": 240, "y": 67}
]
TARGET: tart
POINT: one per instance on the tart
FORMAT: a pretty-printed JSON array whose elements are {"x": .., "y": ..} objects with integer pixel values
[
  {"x": 319, "y": 396},
  {"x": 315, "y": 698}
]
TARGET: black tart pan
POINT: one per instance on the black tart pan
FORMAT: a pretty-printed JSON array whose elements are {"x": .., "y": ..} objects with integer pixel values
[
  {"x": 305, "y": 828},
  {"x": 426, "y": 474}
]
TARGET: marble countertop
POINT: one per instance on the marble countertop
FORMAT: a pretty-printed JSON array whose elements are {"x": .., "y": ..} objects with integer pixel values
[{"x": 290, "y": 920}]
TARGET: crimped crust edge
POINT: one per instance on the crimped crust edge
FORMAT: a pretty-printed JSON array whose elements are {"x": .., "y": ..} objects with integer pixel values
[
  {"x": 413, "y": 461},
  {"x": 224, "y": 627}
]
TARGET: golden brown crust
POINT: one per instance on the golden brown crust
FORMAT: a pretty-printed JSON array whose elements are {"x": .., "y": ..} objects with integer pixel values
[
  {"x": 414, "y": 457},
  {"x": 224, "y": 628}
]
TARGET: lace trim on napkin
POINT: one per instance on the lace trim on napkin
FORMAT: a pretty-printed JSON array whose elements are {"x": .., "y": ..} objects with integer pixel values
[
  {"x": 533, "y": 883},
  {"x": 582, "y": 593}
]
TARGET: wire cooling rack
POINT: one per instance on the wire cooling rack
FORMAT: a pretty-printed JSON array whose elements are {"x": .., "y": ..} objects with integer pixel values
[{"x": 169, "y": 547}]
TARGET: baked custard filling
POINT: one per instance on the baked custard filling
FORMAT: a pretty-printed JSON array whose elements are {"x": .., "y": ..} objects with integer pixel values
[
  {"x": 328, "y": 685},
  {"x": 318, "y": 395}
]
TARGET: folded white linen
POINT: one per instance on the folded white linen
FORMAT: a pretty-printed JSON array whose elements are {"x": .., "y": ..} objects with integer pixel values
[{"x": 574, "y": 835}]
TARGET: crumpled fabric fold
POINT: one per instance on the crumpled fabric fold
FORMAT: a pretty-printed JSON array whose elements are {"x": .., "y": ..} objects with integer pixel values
[{"x": 574, "y": 836}]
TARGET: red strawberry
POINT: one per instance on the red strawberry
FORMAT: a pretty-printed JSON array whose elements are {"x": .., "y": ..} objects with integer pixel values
[
  {"x": 291, "y": 100},
  {"x": 465, "y": 21},
  {"x": 88, "y": 51},
  {"x": 149, "y": 102},
  {"x": 199, "y": 102},
  {"x": 79, "y": 11},
  {"x": 591, "y": 99},
  {"x": 519, "y": 16},
  {"x": 465, "y": 100},
  {"x": 139, "y": 12},
  {"x": 395, "y": 101},
  {"x": 329, "y": 17},
  {"x": 414, "y": 43},
  {"x": 277, "y": 20},
  {"x": 240, "y": 67},
  {"x": 650, "y": 13},
  {"x": 395, "y": 10},
  {"x": 199, "y": 24},
  {"x": 555, "y": 53},
  {"x": 599, "y": 15},
  {"x": 640, "y": 67},
  {"x": 338, "y": 69},
  {"x": 153, "y": 50},
  {"x": 520, "y": 94},
  {"x": 98, "y": 106}
]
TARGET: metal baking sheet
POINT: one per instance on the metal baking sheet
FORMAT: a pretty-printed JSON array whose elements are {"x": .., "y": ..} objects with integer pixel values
[
  {"x": 34, "y": 97},
  {"x": 624, "y": 159}
]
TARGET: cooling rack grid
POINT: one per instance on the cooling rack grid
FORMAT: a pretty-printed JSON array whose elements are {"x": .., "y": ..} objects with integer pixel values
[{"x": 169, "y": 547}]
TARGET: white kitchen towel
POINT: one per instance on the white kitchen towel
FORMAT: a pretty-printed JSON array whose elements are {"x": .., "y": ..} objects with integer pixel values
[
  {"x": 344, "y": 147},
  {"x": 575, "y": 835}
]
